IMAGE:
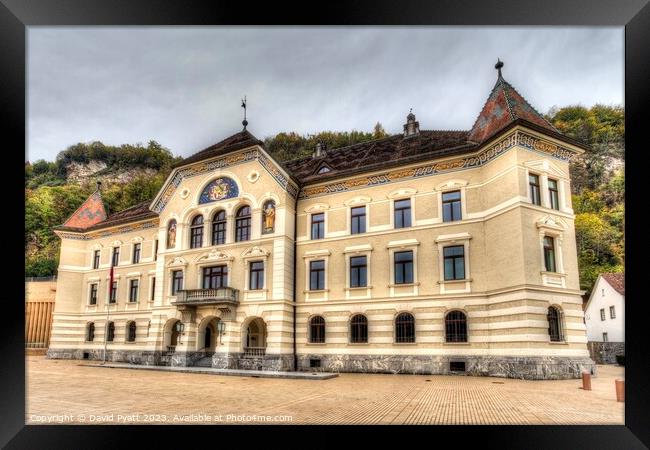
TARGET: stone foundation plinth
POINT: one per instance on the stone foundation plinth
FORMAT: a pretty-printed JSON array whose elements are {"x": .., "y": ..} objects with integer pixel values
[
  {"x": 605, "y": 352},
  {"x": 527, "y": 368}
]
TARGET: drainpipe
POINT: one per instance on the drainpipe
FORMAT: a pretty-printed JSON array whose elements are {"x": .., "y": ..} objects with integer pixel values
[{"x": 295, "y": 279}]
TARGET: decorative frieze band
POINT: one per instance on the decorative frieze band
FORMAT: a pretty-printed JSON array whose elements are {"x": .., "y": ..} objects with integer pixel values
[
  {"x": 465, "y": 162},
  {"x": 109, "y": 232}
]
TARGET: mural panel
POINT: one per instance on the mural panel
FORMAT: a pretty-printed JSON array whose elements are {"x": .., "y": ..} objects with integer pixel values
[{"x": 219, "y": 189}]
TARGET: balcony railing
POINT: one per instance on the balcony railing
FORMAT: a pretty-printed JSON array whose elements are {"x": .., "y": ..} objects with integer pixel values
[
  {"x": 254, "y": 352},
  {"x": 207, "y": 296}
]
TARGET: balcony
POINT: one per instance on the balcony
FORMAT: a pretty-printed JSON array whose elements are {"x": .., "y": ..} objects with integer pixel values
[{"x": 197, "y": 297}]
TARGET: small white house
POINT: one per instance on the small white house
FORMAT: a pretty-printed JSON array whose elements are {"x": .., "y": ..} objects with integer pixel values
[{"x": 605, "y": 309}]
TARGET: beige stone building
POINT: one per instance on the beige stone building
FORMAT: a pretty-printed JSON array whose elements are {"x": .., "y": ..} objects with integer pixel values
[{"x": 423, "y": 252}]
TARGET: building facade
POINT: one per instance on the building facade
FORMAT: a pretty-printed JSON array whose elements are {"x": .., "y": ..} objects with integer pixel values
[
  {"x": 424, "y": 252},
  {"x": 605, "y": 318}
]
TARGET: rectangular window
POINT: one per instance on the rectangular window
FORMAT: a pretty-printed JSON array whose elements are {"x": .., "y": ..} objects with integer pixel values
[
  {"x": 403, "y": 262},
  {"x": 177, "y": 281},
  {"x": 317, "y": 275},
  {"x": 454, "y": 260},
  {"x": 96, "y": 259},
  {"x": 358, "y": 220},
  {"x": 112, "y": 296},
  {"x": 136, "y": 253},
  {"x": 133, "y": 290},
  {"x": 553, "y": 194},
  {"x": 116, "y": 256},
  {"x": 612, "y": 313},
  {"x": 155, "y": 249},
  {"x": 549, "y": 254},
  {"x": 402, "y": 213},
  {"x": 215, "y": 277},
  {"x": 318, "y": 226},
  {"x": 602, "y": 314},
  {"x": 451, "y": 206},
  {"x": 605, "y": 337},
  {"x": 153, "y": 287},
  {"x": 533, "y": 182},
  {"x": 93, "y": 294},
  {"x": 256, "y": 275},
  {"x": 358, "y": 271}
]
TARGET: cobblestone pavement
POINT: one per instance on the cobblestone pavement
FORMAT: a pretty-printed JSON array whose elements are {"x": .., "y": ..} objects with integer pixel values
[{"x": 61, "y": 391}]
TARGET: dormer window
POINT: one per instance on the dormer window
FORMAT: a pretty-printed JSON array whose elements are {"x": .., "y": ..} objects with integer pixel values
[{"x": 323, "y": 169}]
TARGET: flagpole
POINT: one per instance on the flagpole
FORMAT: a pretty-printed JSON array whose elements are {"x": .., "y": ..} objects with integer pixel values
[{"x": 108, "y": 310}]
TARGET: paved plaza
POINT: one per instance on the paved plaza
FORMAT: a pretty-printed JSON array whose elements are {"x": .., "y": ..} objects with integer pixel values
[{"x": 71, "y": 392}]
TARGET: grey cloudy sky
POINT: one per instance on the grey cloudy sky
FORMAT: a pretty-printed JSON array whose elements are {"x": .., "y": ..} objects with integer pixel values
[{"x": 182, "y": 86}]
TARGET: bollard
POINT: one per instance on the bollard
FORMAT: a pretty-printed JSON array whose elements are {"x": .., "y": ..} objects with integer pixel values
[
  {"x": 586, "y": 381},
  {"x": 620, "y": 390}
]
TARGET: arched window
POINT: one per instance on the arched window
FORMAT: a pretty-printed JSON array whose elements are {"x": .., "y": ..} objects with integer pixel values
[
  {"x": 404, "y": 328},
  {"x": 110, "y": 332},
  {"x": 171, "y": 234},
  {"x": 555, "y": 331},
  {"x": 90, "y": 332},
  {"x": 456, "y": 327},
  {"x": 317, "y": 330},
  {"x": 219, "y": 228},
  {"x": 196, "y": 232},
  {"x": 359, "y": 329},
  {"x": 243, "y": 224},
  {"x": 130, "y": 332}
]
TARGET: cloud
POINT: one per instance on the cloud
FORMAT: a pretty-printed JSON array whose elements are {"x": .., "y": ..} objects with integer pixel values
[{"x": 182, "y": 86}]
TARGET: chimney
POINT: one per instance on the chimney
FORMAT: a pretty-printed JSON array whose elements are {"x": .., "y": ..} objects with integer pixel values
[
  {"x": 320, "y": 150},
  {"x": 411, "y": 127}
]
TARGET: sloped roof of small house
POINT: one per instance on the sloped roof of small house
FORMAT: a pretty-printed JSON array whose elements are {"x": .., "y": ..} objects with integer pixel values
[{"x": 616, "y": 280}]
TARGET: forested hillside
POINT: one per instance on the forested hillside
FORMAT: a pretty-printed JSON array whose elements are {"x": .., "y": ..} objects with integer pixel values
[{"x": 134, "y": 173}]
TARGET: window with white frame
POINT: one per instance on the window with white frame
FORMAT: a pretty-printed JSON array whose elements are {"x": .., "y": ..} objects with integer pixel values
[
  {"x": 612, "y": 313},
  {"x": 602, "y": 314}
]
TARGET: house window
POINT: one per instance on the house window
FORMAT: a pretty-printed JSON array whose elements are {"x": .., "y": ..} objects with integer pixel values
[
  {"x": 359, "y": 329},
  {"x": 318, "y": 226},
  {"x": 454, "y": 260},
  {"x": 323, "y": 169},
  {"x": 153, "y": 288},
  {"x": 90, "y": 332},
  {"x": 602, "y": 292},
  {"x": 402, "y": 213},
  {"x": 177, "y": 281},
  {"x": 196, "y": 232},
  {"x": 553, "y": 194},
  {"x": 155, "y": 249},
  {"x": 110, "y": 333},
  {"x": 215, "y": 277},
  {"x": 317, "y": 330},
  {"x": 358, "y": 220},
  {"x": 96, "y": 259},
  {"x": 404, "y": 328},
  {"x": 256, "y": 275},
  {"x": 112, "y": 296},
  {"x": 130, "y": 330},
  {"x": 602, "y": 314},
  {"x": 358, "y": 271},
  {"x": 116, "y": 256},
  {"x": 317, "y": 275},
  {"x": 612, "y": 313},
  {"x": 93, "y": 294},
  {"x": 549, "y": 254},
  {"x": 605, "y": 337},
  {"x": 456, "y": 327},
  {"x": 243, "y": 224},
  {"x": 133, "y": 290},
  {"x": 554, "y": 325},
  {"x": 403, "y": 262},
  {"x": 533, "y": 182},
  {"x": 136, "y": 253},
  {"x": 451, "y": 206},
  {"x": 219, "y": 228}
]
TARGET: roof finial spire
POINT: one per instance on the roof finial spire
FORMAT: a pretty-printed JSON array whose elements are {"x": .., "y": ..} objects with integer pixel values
[
  {"x": 498, "y": 66},
  {"x": 243, "y": 105}
]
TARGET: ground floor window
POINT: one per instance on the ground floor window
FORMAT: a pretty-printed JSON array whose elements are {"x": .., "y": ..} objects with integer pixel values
[
  {"x": 359, "y": 329},
  {"x": 404, "y": 328},
  {"x": 554, "y": 325},
  {"x": 456, "y": 327},
  {"x": 130, "y": 330},
  {"x": 317, "y": 330}
]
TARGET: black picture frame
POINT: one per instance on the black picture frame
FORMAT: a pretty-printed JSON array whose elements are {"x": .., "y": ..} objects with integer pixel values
[{"x": 634, "y": 15}]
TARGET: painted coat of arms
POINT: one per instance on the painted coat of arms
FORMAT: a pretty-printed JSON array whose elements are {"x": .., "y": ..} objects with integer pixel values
[{"x": 219, "y": 189}]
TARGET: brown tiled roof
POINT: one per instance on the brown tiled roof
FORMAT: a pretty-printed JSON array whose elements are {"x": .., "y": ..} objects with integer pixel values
[
  {"x": 380, "y": 153},
  {"x": 237, "y": 141},
  {"x": 140, "y": 211},
  {"x": 90, "y": 212},
  {"x": 615, "y": 280},
  {"x": 503, "y": 106}
]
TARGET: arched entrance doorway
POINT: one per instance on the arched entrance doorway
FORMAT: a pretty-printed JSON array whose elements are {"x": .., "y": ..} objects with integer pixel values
[
  {"x": 255, "y": 337},
  {"x": 207, "y": 337},
  {"x": 171, "y": 334}
]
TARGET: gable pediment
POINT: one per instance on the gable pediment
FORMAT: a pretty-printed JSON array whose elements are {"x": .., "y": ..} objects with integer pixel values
[
  {"x": 214, "y": 255},
  {"x": 547, "y": 167}
]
